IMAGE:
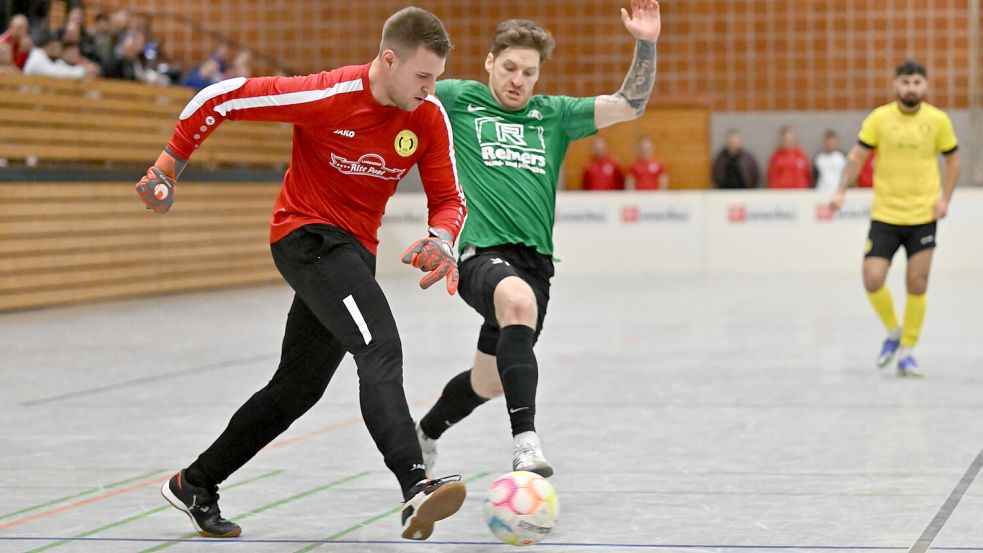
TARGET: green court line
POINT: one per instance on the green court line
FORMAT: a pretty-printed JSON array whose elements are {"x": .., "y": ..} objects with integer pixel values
[
  {"x": 143, "y": 515},
  {"x": 372, "y": 519},
  {"x": 81, "y": 493},
  {"x": 268, "y": 507}
]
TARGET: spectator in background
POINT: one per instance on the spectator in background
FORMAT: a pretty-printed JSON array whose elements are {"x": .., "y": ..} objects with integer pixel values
[
  {"x": 71, "y": 53},
  {"x": 789, "y": 166},
  {"x": 602, "y": 172},
  {"x": 18, "y": 40},
  {"x": 127, "y": 62},
  {"x": 74, "y": 33},
  {"x": 866, "y": 177},
  {"x": 119, "y": 24},
  {"x": 735, "y": 167},
  {"x": 828, "y": 164},
  {"x": 648, "y": 172},
  {"x": 102, "y": 39},
  {"x": 45, "y": 59},
  {"x": 242, "y": 65},
  {"x": 206, "y": 74},
  {"x": 7, "y": 59}
]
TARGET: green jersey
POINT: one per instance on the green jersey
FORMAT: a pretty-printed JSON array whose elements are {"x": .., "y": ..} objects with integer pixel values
[{"x": 508, "y": 162}]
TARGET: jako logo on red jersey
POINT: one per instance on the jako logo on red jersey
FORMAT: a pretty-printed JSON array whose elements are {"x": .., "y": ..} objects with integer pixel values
[{"x": 370, "y": 165}]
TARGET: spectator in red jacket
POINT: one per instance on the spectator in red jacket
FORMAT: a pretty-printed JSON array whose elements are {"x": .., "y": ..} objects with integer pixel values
[
  {"x": 648, "y": 172},
  {"x": 789, "y": 166},
  {"x": 602, "y": 172},
  {"x": 17, "y": 40}
]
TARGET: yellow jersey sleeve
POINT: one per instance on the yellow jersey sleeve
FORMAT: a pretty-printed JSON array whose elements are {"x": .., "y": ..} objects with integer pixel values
[
  {"x": 868, "y": 131},
  {"x": 946, "y": 140}
]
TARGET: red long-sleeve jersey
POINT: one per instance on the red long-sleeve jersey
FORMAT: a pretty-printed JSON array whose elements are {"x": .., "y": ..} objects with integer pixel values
[{"x": 349, "y": 151}]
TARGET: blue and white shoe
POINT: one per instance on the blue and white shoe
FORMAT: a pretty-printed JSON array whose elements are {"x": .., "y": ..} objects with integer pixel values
[
  {"x": 888, "y": 349},
  {"x": 908, "y": 366}
]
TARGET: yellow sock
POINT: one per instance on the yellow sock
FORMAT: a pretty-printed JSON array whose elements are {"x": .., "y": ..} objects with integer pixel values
[
  {"x": 884, "y": 306},
  {"x": 914, "y": 315}
]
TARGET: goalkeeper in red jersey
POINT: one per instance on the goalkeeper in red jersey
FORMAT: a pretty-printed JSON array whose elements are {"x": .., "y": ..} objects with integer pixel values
[{"x": 357, "y": 131}]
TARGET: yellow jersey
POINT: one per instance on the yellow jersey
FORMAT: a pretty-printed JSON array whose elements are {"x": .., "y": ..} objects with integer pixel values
[{"x": 906, "y": 171}]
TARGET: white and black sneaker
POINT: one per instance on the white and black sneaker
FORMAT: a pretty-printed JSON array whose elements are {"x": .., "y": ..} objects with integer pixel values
[
  {"x": 428, "y": 446},
  {"x": 432, "y": 500},
  {"x": 201, "y": 506},
  {"x": 527, "y": 455}
]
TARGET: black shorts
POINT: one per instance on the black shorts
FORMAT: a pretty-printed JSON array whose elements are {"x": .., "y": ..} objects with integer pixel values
[
  {"x": 884, "y": 239},
  {"x": 481, "y": 271}
]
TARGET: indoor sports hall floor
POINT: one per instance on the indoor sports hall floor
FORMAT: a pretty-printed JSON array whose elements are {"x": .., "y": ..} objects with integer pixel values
[{"x": 682, "y": 414}]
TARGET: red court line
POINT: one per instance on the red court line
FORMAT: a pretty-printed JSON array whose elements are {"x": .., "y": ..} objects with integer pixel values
[
  {"x": 145, "y": 483},
  {"x": 77, "y": 504}
]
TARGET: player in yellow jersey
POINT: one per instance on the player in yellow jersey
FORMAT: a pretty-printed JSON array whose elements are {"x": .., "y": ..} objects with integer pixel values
[{"x": 909, "y": 134}]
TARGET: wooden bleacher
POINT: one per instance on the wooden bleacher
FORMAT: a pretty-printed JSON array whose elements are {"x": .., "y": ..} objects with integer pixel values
[
  {"x": 69, "y": 242},
  {"x": 43, "y": 119}
]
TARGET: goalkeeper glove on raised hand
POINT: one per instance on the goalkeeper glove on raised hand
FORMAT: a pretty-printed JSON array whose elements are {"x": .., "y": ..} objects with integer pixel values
[
  {"x": 156, "y": 189},
  {"x": 435, "y": 256}
]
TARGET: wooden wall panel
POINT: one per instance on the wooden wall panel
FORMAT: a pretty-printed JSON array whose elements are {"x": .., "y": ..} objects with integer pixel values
[
  {"x": 73, "y": 242},
  {"x": 681, "y": 137}
]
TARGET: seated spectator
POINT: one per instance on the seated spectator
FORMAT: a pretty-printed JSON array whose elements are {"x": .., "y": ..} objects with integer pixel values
[
  {"x": 74, "y": 32},
  {"x": 7, "y": 59},
  {"x": 602, "y": 172},
  {"x": 45, "y": 59},
  {"x": 828, "y": 165},
  {"x": 206, "y": 74},
  {"x": 734, "y": 167},
  {"x": 789, "y": 167},
  {"x": 242, "y": 65},
  {"x": 127, "y": 62},
  {"x": 18, "y": 40},
  {"x": 866, "y": 177},
  {"x": 72, "y": 55},
  {"x": 648, "y": 172},
  {"x": 102, "y": 39}
]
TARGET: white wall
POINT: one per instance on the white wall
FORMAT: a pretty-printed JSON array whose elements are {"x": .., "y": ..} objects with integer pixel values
[{"x": 711, "y": 233}]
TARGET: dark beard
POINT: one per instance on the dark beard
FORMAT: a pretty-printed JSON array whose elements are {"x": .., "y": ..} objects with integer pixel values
[{"x": 910, "y": 104}]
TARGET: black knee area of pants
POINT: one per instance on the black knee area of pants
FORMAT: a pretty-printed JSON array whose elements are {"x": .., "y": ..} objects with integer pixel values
[
  {"x": 457, "y": 401},
  {"x": 381, "y": 361},
  {"x": 519, "y": 372}
]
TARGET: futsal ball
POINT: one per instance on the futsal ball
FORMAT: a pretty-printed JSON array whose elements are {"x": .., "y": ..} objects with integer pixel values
[{"x": 521, "y": 508}]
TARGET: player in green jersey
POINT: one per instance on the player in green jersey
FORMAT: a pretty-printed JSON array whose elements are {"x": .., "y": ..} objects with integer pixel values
[{"x": 509, "y": 147}]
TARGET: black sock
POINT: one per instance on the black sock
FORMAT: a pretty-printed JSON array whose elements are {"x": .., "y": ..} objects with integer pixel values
[
  {"x": 456, "y": 402},
  {"x": 519, "y": 372},
  {"x": 194, "y": 476}
]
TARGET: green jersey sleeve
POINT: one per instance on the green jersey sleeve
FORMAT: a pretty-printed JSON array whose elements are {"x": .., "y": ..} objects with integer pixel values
[
  {"x": 448, "y": 90},
  {"x": 577, "y": 115}
]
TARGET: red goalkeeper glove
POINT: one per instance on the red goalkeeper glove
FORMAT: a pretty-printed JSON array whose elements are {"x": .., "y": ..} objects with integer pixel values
[
  {"x": 435, "y": 256},
  {"x": 157, "y": 188}
]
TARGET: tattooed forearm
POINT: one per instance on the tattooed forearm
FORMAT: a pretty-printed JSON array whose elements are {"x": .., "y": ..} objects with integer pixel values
[{"x": 641, "y": 77}]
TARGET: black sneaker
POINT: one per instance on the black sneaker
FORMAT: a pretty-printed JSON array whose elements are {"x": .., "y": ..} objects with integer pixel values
[
  {"x": 432, "y": 500},
  {"x": 201, "y": 506}
]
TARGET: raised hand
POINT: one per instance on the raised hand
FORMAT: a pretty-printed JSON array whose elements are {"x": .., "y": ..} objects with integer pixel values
[{"x": 645, "y": 20}]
